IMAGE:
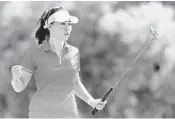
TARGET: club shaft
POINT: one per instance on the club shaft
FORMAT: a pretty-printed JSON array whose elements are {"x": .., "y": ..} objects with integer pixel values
[
  {"x": 124, "y": 73},
  {"x": 133, "y": 62}
]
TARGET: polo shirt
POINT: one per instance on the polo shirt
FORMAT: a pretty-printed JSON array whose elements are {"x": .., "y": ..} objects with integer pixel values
[{"x": 53, "y": 77}]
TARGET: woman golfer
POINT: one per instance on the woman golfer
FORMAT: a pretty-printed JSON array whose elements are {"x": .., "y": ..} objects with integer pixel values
[{"x": 55, "y": 66}]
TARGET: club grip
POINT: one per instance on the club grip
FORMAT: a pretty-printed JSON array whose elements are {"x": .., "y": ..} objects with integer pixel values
[{"x": 103, "y": 99}]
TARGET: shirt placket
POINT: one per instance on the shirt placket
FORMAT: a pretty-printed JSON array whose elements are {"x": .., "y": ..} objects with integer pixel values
[{"x": 62, "y": 53}]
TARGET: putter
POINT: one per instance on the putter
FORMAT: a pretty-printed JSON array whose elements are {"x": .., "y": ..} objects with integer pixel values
[{"x": 155, "y": 36}]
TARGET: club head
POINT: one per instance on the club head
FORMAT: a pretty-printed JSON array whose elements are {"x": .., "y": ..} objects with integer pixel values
[{"x": 154, "y": 33}]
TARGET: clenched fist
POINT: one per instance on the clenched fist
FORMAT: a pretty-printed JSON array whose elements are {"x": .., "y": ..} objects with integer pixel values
[{"x": 16, "y": 71}]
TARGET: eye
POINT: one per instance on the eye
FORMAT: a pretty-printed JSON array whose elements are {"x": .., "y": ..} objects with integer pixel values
[
  {"x": 52, "y": 23},
  {"x": 63, "y": 23}
]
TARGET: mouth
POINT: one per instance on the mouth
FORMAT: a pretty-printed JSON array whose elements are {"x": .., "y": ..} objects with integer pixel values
[{"x": 66, "y": 34}]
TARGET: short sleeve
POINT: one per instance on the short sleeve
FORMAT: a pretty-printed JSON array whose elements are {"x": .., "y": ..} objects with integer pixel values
[
  {"x": 28, "y": 62},
  {"x": 78, "y": 61},
  {"x": 75, "y": 59}
]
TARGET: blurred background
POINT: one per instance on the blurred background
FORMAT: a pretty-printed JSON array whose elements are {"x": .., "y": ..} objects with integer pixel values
[{"x": 109, "y": 36}]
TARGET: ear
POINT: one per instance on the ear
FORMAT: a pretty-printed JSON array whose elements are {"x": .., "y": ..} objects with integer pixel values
[{"x": 45, "y": 26}]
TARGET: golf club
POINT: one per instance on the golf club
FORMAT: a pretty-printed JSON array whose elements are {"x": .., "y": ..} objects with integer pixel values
[{"x": 155, "y": 36}]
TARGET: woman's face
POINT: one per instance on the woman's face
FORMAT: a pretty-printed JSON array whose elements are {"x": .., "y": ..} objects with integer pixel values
[{"x": 59, "y": 32}]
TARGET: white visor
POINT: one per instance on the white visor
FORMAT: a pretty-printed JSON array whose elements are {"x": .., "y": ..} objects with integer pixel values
[{"x": 62, "y": 16}]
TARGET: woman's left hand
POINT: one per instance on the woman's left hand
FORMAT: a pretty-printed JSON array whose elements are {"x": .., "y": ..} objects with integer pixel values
[{"x": 97, "y": 103}]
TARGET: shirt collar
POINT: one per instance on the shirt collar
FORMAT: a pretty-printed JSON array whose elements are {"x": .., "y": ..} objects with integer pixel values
[{"x": 45, "y": 46}]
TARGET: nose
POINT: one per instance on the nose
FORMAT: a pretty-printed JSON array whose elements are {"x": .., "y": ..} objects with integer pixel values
[{"x": 66, "y": 30}]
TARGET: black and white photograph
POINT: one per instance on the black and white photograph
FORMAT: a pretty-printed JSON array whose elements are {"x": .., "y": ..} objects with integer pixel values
[{"x": 87, "y": 59}]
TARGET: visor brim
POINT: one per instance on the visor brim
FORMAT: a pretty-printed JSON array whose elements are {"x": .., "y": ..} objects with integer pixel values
[{"x": 63, "y": 16}]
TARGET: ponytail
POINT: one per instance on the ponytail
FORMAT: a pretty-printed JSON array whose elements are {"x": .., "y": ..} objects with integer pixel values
[{"x": 42, "y": 33}]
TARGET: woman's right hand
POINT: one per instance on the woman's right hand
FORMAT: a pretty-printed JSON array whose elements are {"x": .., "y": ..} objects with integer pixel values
[
  {"x": 17, "y": 83},
  {"x": 16, "y": 71}
]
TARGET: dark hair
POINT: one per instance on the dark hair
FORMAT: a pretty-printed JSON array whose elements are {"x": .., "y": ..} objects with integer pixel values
[{"x": 44, "y": 33}]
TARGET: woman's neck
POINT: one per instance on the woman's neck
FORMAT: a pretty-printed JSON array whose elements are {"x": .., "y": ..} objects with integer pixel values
[
  {"x": 60, "y": 50},
  {"x": 56, "y": 48},
  {"x": 46, "y": 45}
]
